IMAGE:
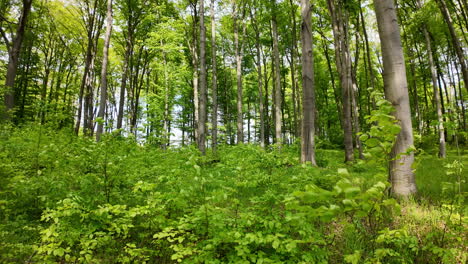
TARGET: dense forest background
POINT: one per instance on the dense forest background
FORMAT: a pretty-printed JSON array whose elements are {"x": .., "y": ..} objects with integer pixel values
[{"x": 272, "y": 131}]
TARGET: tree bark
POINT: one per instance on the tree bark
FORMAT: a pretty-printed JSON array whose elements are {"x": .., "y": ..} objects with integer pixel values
[
  {"x": 343, "y": 65},
  {"x": 440, "y": 126},
  {"x": 105, "y": 60},
  {"x": 277, "y": 96},
  {"x": 238, "y": 51},
  {"x": 308, "y": 86},
  {"x": 203, "y": 96},
  {"x": 214, "y": 93},
  {"x": 14, "y": 49},
  {"x": 455, "y": 41},
  {"x": 260, "y": 84},
  {"x": 396, "y": 91}
]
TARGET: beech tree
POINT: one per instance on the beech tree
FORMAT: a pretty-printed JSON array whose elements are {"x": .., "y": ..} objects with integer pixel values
[
  {"x": 308, "y": 89},
  {"x": 14, "y": 47},
  {"x": 401, "y": 173},
  {"x": 105, "y": 60}
]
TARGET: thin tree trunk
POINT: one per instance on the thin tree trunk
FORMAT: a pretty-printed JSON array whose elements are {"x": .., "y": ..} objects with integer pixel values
[
  {"x": 368, "y": 54},
  {"x": 195, "y": 59},
  {"x": 296, "y": 130},
  {"x": 105, "y": 60},
  {"x": 260, "y": 84},
  {"x": 308, "y": 86},
  {"x": 455, "y": 41},
  {"x": 343, "y": 64},
  {"x": 203, "y": 96},
  {"x": 123, "y": 84},
  {"x": 277, "y": 95},
  {"x": 214, "y": 95},
  {"x": 240, "y": 120},
  {"x": 14, "y": 49},
  {"x": 396, "y": 91}
]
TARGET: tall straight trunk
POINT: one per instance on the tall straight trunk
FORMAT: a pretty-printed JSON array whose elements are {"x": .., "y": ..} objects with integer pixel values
[
  {"x": 88, "y": 61},
  {"x": 14, "y": 49},
  {"x": 460, "y": 98},
  {"x": 396, "y": 91},
  {"x": 343, "y": 65},
  {"x": 455, "y": 41},
  {"x": 296, "y": 130},
  {"x": 194, "y": 49},
  {"x": 166, "y": 128},
  {"x": 277, "y": 95},
  {"x": 355, "y": 94},
  {"x": 267, "y": 118},
  {"x": 238, "y": 51},
  {"x": 214, "y": 93},
  {"x": 105, "y": 60},
  {"x": 85, "y": 99},
  {"x": 123, "y": 84},
  {"x": 260, "y": 84},
  {"x": 203, "y": 96},
  {"x": 368, "y": 54},
  {"x": 308, "y": 88},
  {"x": 332, "y": 78}
]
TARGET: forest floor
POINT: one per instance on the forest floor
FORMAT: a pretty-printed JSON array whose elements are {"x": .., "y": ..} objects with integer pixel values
[{"x": 67, "y": 199}]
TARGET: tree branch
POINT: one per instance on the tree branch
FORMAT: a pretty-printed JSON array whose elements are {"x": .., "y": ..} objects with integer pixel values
[{"x": 7, "y": 42}]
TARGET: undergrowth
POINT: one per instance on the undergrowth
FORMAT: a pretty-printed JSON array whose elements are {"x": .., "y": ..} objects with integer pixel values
[{"x": 67, "y": 199}]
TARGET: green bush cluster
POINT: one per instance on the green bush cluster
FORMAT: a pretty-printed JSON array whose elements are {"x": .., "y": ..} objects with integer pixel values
[{"x": 65, "y": 199}]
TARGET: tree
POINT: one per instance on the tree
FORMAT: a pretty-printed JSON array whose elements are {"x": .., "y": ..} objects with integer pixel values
[
  {"x": 105, "y": 60},
  {"x": 308, "y": 89},
  {"x": 214, "y": 79},
  {"x": 455, "y": 41},
  {"x": 277, "y": 96},
  {"x": 396, "y": 91},
  {"x": 440, "y": 120},
  {"x": 239, "y": 53},
  {"x": 14, "y": 48},
  {"x": 203, "y": 98},
  {"x": 339, "y": 16}
]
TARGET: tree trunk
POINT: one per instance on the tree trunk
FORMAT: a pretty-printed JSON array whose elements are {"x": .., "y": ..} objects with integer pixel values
[
  {"x": 203, "y": 96},
  {"x": 343, "y": 65},
  {"x": 296, "y": 130},
  {"x": 308, "y": 88},
  {"x": 194, "y": 49},
  {"x": 440, "y": 126},
  {"x": 214, "y": 94},
  {"x": 277, "y": 96},
  {"x": 123, "y": 83},
  {"x": 455, "y": 41},
  {"x": 240, "y": 120},
  {"x": 396, "y": 91},
  {"x": 105, "y": 60},
  {"x": 260, "y": 84},
  {"x": 14, "y": 49}
]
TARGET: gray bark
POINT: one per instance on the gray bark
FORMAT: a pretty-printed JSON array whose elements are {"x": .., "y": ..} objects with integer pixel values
[
  {"x": 238, "y": 51},
  {"x": 203, "y": 96},
  {"x": 396, "y": 91},
  {"x": 214, "y": 95},
  {"x": 105, "y": 60},
  {"x": 14, "y": 49},
  {"x": 455, "y": 41},
  {"x": 277, "y": 81},
  {"x": 308, "y": 88},
  {"x": 440, "y": 120},
  {"x": 343, "y": 65}
]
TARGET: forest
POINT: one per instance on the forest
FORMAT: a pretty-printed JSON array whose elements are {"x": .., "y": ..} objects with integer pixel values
[{"x": 233, "y": 131}]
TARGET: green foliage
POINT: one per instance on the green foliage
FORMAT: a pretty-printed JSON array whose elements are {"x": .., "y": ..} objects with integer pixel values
[
  {"x": 383, "y": 131},
  {"x": 69, "y": 199}
]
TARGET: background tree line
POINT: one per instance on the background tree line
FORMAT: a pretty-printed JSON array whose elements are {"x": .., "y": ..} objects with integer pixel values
[{"x": 239, "y": 71}]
